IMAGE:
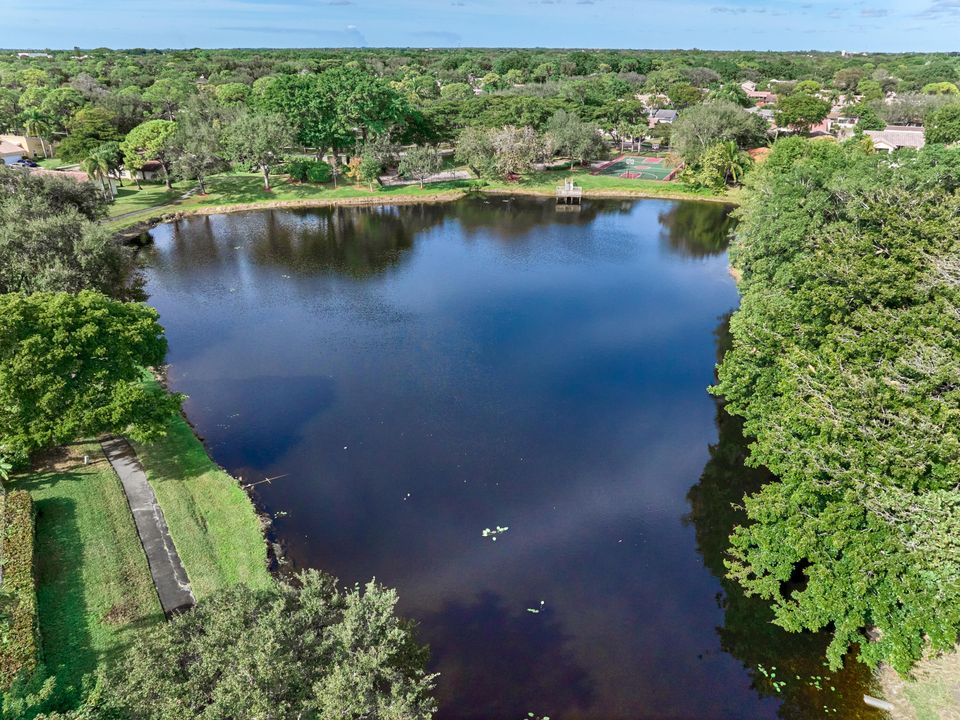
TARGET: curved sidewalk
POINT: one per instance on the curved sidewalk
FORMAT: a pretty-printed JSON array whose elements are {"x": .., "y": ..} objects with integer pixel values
[{"x": 169, "y": 577}]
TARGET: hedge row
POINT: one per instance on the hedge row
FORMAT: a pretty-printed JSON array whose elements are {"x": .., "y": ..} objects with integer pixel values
[{"x": 19, "y": 639}]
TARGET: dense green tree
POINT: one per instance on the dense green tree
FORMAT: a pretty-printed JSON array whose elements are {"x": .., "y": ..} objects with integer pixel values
[
  {"x": 47, "y": 239},
  {"x": 940, "y": 88},
  {"x": 89, "y": 128},
  {"x": 867, "y": 117},
  {"x": 570, "y": 136},
  {"x": 149, "y": 141},
  {"x": 456, "y": 91},
  {"x": 166, "y": 95},
  {"x": 715, "y": 121},
  {"x": 232, "y": 93},
  {"x": 288, "y": 652},
  {"x": 801, "y": 112},
  {"x": 943, "y": 124},
  {"x": 731, "y": 93},
  {"x": 259, "y": 140},
  {"x": 60, "y": 104},
  {"x": 475, "y": 150},
  {"x": 72, "y": 366},
  {"x": 844, "y": 368},
  {"x": 721, "y": 164},
  {"x": 684, "y": 95}
]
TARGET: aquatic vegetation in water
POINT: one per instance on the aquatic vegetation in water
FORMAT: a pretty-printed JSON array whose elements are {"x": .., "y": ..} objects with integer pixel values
[{"x": 492, "y": 534}]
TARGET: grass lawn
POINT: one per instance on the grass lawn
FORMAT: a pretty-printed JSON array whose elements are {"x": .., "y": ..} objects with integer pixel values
[
  {"x": 211, "y": 519},
  {"x": 129, "y": 199},
  {"x": 930, "y": 694},
  {"x": 50, "y": 163},
  {"x": 94, "y": 587}
]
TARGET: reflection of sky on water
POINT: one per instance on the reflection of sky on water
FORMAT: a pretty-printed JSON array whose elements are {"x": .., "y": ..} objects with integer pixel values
[{"x": 418, "y": 374}]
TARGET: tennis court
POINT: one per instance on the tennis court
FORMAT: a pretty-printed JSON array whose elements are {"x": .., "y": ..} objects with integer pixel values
[{"x": 643, "y": 167}]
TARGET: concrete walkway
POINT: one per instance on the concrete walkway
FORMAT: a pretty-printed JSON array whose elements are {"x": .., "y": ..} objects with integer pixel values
[{"x": 169, "y": 577}]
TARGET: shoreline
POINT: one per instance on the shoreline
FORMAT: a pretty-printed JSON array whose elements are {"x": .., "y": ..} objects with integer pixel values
[{"x": 172, "y": 213}]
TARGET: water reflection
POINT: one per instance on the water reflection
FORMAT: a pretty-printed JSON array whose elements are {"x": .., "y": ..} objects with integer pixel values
[
  {"x": 793, "y": 663},
  {"x": 531, "y": 659},
  {"x": 364, "y": 241},
  {"x": 697, "y": 229}
]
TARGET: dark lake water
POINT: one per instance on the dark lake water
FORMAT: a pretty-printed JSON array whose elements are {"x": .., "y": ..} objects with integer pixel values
[{"x": 414, "y": 376}]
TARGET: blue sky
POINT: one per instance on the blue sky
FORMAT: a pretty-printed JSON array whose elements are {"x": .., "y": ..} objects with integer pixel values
[{"x": 880, "y": 25}]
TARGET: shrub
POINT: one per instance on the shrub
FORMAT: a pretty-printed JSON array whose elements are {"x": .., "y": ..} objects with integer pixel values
[
  {"x": 19, "y": 641},
  {"x": 304, "y": 170}
]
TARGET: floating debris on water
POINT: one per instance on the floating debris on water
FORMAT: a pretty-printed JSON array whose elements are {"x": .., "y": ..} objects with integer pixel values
[
  {"x": 536, "y": 610},
  {"x": 492, "y": 534}
]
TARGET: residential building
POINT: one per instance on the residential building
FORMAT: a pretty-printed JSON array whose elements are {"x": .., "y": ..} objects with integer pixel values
[
  {"x": 663, "y": 116},
  {"x": 31, "y": 145},
  {"x": 10, "y": 153},
  {"x": 894, "y": 137}
]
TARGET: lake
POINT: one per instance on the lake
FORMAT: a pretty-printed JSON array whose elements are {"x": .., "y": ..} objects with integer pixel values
[{"x": 500, "y": 409}]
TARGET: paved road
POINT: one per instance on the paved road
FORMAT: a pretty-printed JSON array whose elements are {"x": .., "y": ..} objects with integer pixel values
[{"x": 169, "y": 577}]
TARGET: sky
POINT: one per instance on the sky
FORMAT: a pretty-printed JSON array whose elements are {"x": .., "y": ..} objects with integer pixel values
[{"x": 857, "y": 25}]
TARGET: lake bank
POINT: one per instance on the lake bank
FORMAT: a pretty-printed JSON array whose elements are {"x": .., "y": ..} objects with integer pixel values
[{"x": 238, "y": 193}]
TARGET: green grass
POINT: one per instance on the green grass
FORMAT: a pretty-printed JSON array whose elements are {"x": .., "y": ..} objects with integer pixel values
[
  {"x": 247, "y": 189},
  {"x": 50, "y": 163},
  {"x": 152, "y": 195},
  {"x": 94, "y": 587},
  {"x": 929, "y": 694},
  {"x": 212, "y": 521}
]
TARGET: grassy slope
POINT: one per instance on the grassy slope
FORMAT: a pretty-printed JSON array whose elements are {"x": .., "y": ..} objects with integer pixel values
[
  {"x": 211, "y": 519},
  {"x": 151, "y": 195},
  {"x": 93, "y": 583}
]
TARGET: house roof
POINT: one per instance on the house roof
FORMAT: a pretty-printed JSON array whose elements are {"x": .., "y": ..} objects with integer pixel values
[
  {"x": 8, "y": 148},
  {"x": 77, "y": 175},
  {"x": 151, "y": 166},
  {"x": 898, "y": 136},
  {"x": 665, "y": 115}
]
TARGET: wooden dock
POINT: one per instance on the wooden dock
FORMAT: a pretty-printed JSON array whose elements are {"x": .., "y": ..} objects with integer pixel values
[{"x": 569, "y": 193}]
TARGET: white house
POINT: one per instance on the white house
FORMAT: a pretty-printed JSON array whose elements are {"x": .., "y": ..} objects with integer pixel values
[
  {"x": 10, "y": 153},
  {"x": 894, "y": 137}
]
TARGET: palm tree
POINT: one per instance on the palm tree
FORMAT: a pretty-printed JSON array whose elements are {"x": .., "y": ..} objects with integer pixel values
[
  {"x": 36, "y": 122},
  {"x": 735, "y": 162},
  {"x": 97, "y": 165}
]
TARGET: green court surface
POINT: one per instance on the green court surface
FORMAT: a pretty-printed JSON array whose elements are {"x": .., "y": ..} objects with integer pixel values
[{"x": 643, "y": 167}]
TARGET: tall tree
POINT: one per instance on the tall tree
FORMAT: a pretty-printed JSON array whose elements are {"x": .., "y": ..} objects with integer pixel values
[
  {"x": 943, "y": 124},
  {"x": 149, "y": 141},
  {"x": 801, "y": 111},
  {"x": 197, "y": 146},
  {"x": 568, "y": 135},
  {"x": 258, "y": 139},
  {"x": 37, "y": 123},
  {"x": 712, "y": 122},
  {"x": 420, "y": 163}
]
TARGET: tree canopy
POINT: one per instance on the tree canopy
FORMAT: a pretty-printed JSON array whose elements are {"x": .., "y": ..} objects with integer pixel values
[
  {"x": 47, "y": 239},
  {"x": 291, "y": 651},
  {"x": 844, "y": 367},
  {"x": 72, "y": 366}
]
